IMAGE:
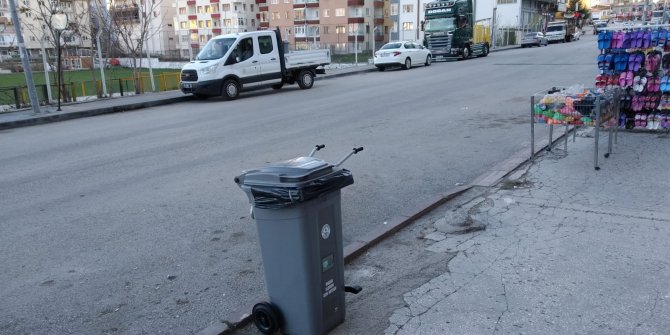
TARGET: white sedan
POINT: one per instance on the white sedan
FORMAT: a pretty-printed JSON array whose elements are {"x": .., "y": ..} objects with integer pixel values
[{"x": 403, "y": 53}]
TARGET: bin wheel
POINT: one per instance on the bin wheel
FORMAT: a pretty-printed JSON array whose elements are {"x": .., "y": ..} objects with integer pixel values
[{"x": 266, "y": 318}]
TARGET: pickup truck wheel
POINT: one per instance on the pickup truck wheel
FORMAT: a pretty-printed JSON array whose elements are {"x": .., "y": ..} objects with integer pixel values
[
  {"x": 230, "y": 89},
  {"x": 305, "y": 79},
  {"x": 428, "y": 60},
  {"x": 408, "y": 64}
]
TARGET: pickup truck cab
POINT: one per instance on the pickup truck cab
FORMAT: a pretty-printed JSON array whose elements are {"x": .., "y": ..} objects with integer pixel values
[{"x": 231, "y": 63}]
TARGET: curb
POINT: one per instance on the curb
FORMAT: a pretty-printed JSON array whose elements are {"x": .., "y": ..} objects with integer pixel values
[
  {"x": 494, "y": 175},
  {"x": 93, "y": 112}
]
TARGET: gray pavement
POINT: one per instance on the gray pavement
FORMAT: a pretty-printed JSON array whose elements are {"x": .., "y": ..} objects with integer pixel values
[
  {"x": 26, "y": 117},
  {"x": 554, "y": 248}
]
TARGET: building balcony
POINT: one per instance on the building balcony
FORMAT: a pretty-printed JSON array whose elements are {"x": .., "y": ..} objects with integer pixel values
[
  {"x": 192, "y": 17},
  {"x": 355, "y": 3},
  {"x": 194, "y": 31},
  {"x": 264, "y": 24},
  {"x": 379, "y": 38},
  {"x": 355, "y": 20},
  {"x": 125, "y": 13},
  {"x": 216, "y": 30},
  {"x": 378, "y": 4},
  {"x": 263, "y": 8},
  {"x": 195, "y": 45},
  {"x": 216, "y": 15},
  {"x": 313, "y": 21},
  {"x": 360, "y": 38},
  {"x": 379, "y": 21},
  {"x": 190, "y": 3},
  {"x": 307, "y": 39},
  {"x": 312, "y": 5},
  {"x": 213, "y": 1},
  {"x": 261, "y": 1}
]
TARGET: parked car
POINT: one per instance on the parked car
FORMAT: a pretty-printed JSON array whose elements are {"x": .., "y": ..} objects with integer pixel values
[
  {"x": 534, "y": 38},
  {"x": 599, "y": 25},
  {"x": 404, "y": 54}
]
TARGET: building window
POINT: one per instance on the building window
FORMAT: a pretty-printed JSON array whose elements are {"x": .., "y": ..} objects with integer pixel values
[
  {"x": 182, "y": 10},
  {"x": 191, "y": 10},
  {"x": 408, "y": 26},
  {"x": 253, "y": 22},
  {"x": 326, "y": 13},
  {"x": 192, "y": 24},
  {"x": 227, "y": 22},
  {"x": 240, "y": 21},
  {"x": 203, "y": 38},
  {"x": 201, "y": 24},
  {"x": 251, "y": 7},
  {"x": 226, "y": 7},
  {"x": 274, "y": 2},
  {"x": 407, "y": 8},
  {"x": 215, "y": 8},
  {"x": 275, "y": 16},
  {"x": 367, "y": 11},
  {"x": 183, "y": 24},
  {"x": 341, "y": 30},
  {"x": 325, "y": 30},
  {"x": 339, "y": 12},
  {"x": 215, "y": 23},
  {"x": 288, "y": 15},
  {"x": 208, "y": 23},
  {"x": 194, "y": 37},
  {"x": 299, "y": 14},
  {"x": 299, "y": 30},
  {"x": 199, "y": 9},
  {"x": 208, "y": 9}
]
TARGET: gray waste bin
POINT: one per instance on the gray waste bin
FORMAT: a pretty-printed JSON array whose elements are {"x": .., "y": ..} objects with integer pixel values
[{"x": 296, "y": 205}]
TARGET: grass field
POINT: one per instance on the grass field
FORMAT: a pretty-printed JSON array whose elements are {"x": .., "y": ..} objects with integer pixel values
[
  {"x": 84, "y": 83},
  {"x": 19, "y": 79}
]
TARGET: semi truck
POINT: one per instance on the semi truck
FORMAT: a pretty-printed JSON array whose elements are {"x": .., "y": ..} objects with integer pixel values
[
  {"x": 449, "y": 31},
  {"x": 231, "y": 63}
]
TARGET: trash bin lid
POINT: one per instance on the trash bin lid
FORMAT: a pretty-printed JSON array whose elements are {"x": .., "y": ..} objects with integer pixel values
[
  {"x": 287, "y": 173},
  {"x": 293, "y": 181}
]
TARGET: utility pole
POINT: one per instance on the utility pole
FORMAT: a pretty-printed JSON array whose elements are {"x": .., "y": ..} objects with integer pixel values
[
  {"x": 25, "y": 61},
  {"x": 102, "y": 66}
]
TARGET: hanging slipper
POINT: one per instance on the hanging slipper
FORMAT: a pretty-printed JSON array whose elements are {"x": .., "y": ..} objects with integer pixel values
[
  {"x": 654, "y": 37},
  {"x": 646, "y": 39}
]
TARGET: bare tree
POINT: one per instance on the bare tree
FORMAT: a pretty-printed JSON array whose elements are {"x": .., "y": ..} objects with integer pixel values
[
  {"x": 38, "y": 25},
  {"x": 131, "y": 23}
]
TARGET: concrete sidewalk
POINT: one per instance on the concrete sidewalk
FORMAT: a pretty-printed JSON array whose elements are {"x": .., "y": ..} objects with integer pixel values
[{"x": 555, "y": 248}]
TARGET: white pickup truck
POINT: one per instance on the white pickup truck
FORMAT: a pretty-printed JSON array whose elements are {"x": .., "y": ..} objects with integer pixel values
[{"x": 231, "y": 63}]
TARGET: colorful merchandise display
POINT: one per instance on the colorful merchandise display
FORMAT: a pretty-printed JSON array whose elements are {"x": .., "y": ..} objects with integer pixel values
[
  {"x": 636, "y": 60},
  {"x": 574, "y": 106}
]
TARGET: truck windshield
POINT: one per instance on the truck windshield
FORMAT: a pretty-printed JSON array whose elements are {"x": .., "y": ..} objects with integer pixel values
[
  {"x": 215, "y": 49},
  {"x": 555, "y": 28},
  {"x": 440, "y": 24}
]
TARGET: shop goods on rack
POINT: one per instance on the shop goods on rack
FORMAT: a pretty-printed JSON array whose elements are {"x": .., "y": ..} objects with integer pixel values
[
  {"x": 573, "y": 107},
  {"x": 637, "y": 60}
]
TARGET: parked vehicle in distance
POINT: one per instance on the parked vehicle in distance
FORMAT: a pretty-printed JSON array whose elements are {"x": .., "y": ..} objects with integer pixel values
[
  {"x": 403, "y": 53},
  {"x": 231, "y": 63},
  {"x": 597, "y": 26},
  {"x": 534, "y": 39},
  {"x": 452, "y": 30}
]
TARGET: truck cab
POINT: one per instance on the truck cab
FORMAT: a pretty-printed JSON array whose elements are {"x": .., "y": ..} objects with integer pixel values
[
  {"x": 231, "y": 63},
  {"x": 448, "y": 30}
]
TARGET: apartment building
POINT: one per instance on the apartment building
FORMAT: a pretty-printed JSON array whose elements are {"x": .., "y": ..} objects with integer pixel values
[
  {"x": 340, "y": 25},
  {"x": 197, "y": 21}
]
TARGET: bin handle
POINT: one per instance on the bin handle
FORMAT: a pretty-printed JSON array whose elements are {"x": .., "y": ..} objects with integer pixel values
[
  {"x": 353, "y": 152},
  {"x": 316, "y": 148}
]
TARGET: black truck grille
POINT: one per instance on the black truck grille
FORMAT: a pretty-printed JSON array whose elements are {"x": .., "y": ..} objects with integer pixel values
[
  {"x": 189, "y": 75},
  {"x": 439, "y": 42}
]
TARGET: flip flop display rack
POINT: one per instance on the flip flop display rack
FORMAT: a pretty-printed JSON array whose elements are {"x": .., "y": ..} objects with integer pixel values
[
  {"x": 636, "y": 59},
  {"x": 576, "y": 106}
]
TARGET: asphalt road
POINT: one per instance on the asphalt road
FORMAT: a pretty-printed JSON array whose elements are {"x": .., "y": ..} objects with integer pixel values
[{"x": 131, "y": 223}]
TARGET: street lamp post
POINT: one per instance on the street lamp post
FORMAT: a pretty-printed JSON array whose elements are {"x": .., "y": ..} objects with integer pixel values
[
  {"x": 59, "y": 23},
  {"x": 25, "y": 61}
]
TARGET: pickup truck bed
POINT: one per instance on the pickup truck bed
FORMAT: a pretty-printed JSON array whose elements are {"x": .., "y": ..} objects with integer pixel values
[{"x": 307, "y": 58}]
